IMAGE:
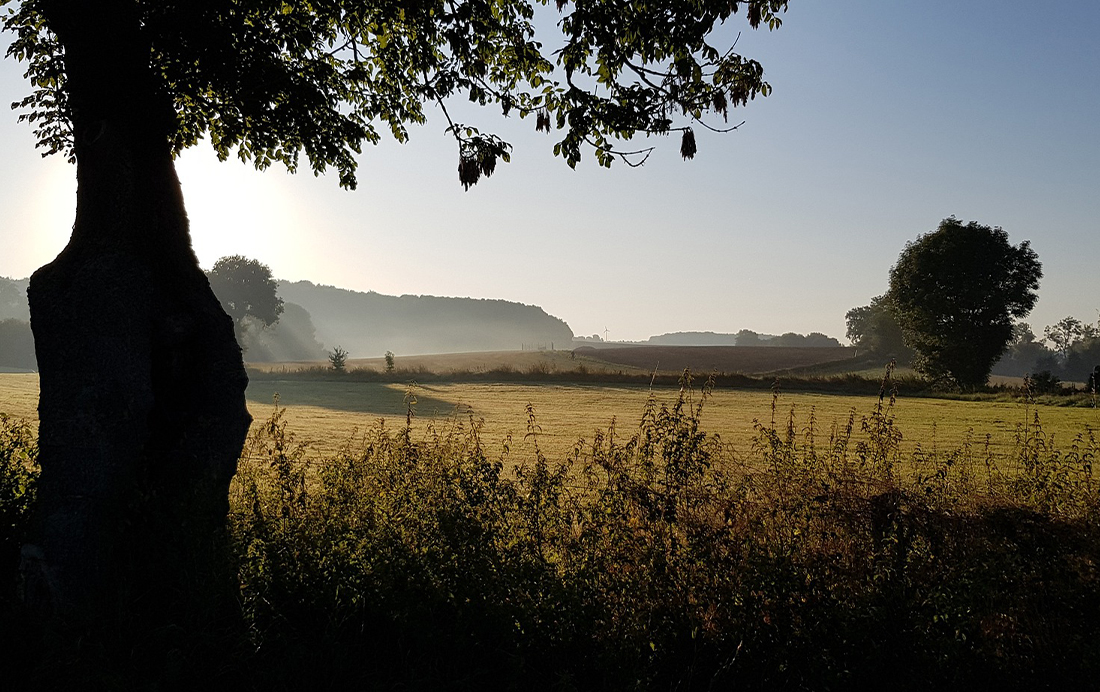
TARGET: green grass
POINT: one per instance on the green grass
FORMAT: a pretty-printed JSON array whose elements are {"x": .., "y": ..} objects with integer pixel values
[
  {"x": 656, "y": 555},
  {"x": 325, "y": 414}
]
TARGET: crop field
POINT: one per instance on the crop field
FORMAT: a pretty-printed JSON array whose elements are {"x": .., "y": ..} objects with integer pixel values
[
  {"x": 328, "y": 414},
  {"x": 703, "y": 359}
]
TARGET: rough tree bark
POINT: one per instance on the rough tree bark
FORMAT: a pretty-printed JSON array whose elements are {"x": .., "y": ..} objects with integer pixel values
[{"x": 142, "y": 411}]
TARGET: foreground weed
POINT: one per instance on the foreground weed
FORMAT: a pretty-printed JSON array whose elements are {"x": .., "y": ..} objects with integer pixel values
[{"x": 18, "y": 482}]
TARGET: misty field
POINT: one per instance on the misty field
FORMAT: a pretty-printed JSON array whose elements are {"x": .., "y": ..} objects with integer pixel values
[{"x": 325, "y": 415}]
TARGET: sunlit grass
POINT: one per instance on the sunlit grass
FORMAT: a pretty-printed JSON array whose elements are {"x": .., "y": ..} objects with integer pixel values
[{"x": 325, "y": 414}]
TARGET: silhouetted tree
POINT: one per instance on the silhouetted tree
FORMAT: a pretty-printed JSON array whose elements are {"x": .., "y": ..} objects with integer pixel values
[
  {"x": 246, "y": 289},
  {"x": 788, "y": 339},
  {"x": 955, "y": 292},
  {"x": 338, "y": 359},
  {"x": 1065, "y": 333},
  {"x": 142, "y": 383},
  {"x": 819, "y": 340},
  {"x": 1043, "y": 382},
  {"x": 293, "y": 337},
  {"x": 874, "y": 328},
  {"x": 1025, "y": 354},
  {"x": 747, "y": 337}
]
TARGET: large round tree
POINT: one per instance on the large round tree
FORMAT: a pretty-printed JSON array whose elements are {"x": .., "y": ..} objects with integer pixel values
[
  {"x": 955, "y": 293},
  {"x": 142, "y": 409},
  {"x": 247, "y": 290}
]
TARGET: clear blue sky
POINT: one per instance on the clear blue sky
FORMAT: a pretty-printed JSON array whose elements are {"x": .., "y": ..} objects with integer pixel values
[{"x": 886, "y": 117}]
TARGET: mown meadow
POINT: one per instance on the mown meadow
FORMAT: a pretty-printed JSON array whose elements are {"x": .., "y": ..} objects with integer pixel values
[
  {"x": 326, "y": 414},
  {"x": 674, "y": 538}
]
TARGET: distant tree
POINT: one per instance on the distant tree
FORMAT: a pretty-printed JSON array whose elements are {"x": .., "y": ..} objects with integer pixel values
[
  {"x": 389, "y": 361},
  {"x": 955, "y": 292},
  {"x": 338, "y": 358},
  {"x": 17, "y": 345},
  {"x": 293, "y": 337},
  {"x": 819, "y": 340},
  {"x": 1043, "y": 382},
  {"x": 747, "y": 337},
  {"x": 1084, "y": 355},
  {"x": 874, "y": 328},
  {"x": 247, "y": 291},
  {"x": 789, "y": 339},
  {"x": 1075, "y": 354},
  {"x": 1025, "y": 354},
  {"x": 1022, "y": 334},
  {"x": 1065, "y": 333}
]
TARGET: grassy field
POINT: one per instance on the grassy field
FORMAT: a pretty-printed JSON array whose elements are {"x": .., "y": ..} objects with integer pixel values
[{"x": 327, "y": 414}]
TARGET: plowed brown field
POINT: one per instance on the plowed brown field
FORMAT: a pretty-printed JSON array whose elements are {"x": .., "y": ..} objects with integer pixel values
[{"x": 747, "y": 360}]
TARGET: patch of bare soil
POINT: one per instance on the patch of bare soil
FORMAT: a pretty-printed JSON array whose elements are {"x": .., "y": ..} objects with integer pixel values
[{"x": 747, "y": 360}]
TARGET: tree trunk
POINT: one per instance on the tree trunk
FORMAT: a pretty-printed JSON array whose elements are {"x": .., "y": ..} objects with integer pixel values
[{"x": 142, "y": 411}]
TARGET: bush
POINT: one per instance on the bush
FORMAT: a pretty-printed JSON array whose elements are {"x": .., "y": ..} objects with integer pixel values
[
  {"x": 659, "y": 560},
  {"x": 654, "y": 559},
  {"x": 1043, "y": 382},
  {"x": 338, "y": 358},
  {"x": 18, "y": 480}
]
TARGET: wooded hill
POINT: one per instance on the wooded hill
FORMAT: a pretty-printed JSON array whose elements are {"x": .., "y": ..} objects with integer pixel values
[
  {"x": 365, "y": 324},
  {"x": 369, "y": 324}
]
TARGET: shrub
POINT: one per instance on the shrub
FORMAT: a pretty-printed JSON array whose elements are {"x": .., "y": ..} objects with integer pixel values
[
  {"x": 338, "y": 358},
  {"x": 18, "y": 480},
  {"x": 658, "y": 559},
  {"x": 1043, "y": 382}
]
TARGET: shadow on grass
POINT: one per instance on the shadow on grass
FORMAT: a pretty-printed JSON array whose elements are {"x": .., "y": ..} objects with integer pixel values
[{"x": 355, "y": 397}]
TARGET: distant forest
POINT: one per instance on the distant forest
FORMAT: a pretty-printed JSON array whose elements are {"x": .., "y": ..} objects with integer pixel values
[
  {"x": 316, "y": 318},
  {"x": 745, "y": 337},
  {"x": 369, "y": 324}
]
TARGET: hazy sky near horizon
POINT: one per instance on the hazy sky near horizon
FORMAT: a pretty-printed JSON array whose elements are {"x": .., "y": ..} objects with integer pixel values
[{"x": 886, "y": 117}]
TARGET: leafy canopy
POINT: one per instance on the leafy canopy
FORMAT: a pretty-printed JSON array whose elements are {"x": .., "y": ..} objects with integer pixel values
[
  {"x": 271, "y": 79},
  {"x": 1066, "y": 333},
  {"x": 955, "y": 293},
  {"x": 246, "y": 288},
  {"x": 874, "y": 328}
]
